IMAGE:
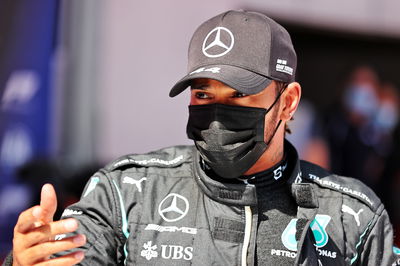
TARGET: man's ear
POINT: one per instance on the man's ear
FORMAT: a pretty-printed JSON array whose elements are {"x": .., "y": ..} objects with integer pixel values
[{"x": 290, "y": 100}]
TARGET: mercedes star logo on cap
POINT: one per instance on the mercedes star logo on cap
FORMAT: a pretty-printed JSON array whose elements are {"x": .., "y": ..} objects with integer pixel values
[
  {"x": 173, "y": 207},
  {"x": 214, "y": 39}
]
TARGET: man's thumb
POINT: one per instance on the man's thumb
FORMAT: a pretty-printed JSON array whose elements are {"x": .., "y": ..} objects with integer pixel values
[{"x": 48, "y": 202}]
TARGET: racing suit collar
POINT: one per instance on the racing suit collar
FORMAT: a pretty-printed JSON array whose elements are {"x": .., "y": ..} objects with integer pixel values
[
  {"x": 229, "y": 193},
  {"x": 243, "y": 194}
]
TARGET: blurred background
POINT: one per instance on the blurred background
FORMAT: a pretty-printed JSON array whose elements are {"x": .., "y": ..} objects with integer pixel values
[{"x": 84, "y": 82}]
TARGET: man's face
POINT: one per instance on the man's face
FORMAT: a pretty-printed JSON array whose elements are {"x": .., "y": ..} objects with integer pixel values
[{"x": 209, "y": 91}]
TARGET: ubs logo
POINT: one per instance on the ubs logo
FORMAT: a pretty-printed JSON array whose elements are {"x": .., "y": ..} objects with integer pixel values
[{"x": 169, "y": 252}]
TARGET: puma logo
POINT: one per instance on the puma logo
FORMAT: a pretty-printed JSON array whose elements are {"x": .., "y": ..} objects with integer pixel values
[
  {"x": 350, "y": 211},
  {"x": 137, "y": 183}
]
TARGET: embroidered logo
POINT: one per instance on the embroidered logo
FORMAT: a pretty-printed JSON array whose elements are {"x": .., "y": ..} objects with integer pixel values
[
  {"x": 298, "y": 179},
  {"x": 173, "y": 207},
  {"x": 203, "y": 69},
  {"x": 350, "y": 211},
  {"x": 137, "y": 183},
  {"x": 69, "y": 212},
  {"x": 149, "y": 251},
  {"x": 282, "y": 67},
  {"x": 318, "y": 226},
  {"x": 222, "y": 39},
  {"x": 278, "y": 172}
]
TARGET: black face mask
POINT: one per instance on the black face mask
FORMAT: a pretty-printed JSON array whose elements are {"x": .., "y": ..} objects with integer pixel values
[{"x": 229, "y": 138}]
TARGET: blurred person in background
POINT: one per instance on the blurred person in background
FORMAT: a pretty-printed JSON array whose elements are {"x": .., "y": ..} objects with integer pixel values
[
  {"x": 350, "y": 128},
  {"x": 362, "y": 138},
  {"x": 239, "y": 196},
  {"x": 388, "y": 133},
  {"x": 386, "y": 118}
]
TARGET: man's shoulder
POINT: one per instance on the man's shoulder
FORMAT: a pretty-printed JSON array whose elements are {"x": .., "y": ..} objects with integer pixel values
[
  {"x": 141, "y": 171},
  {"x": 168, "y": 157},
  {"x": 348, "y": 186}
]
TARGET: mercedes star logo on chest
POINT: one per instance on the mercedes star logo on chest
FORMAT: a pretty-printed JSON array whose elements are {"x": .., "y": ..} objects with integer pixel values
[{"x": 173, "y": 207}]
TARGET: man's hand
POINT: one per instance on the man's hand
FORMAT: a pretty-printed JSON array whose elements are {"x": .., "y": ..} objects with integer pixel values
[{"x": 34, "y": 233}]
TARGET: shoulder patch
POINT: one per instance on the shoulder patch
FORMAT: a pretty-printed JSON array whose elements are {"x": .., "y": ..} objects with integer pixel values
[
  {"x": 149, "y": 162},
  {"x": 94, "y": 180},
  {"x": 169, "y": 157},
  {"x": 346, "y": 185}
]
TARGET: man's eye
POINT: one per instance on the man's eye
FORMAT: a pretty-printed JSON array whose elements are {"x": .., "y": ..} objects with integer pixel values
[
  {"x": 239, "y": 95},
  {"x": 202, "y": 95}
]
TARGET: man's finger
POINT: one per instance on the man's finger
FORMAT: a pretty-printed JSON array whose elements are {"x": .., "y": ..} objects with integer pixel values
[
  {"x": 69, "y": 259},
  {"x": 38, "y": 215},
  {"x": 42, "y": 251},
  {"x": 47, "y": 232},
  {"x": 48, "y": 203},
  {"x": 27, "y": 219}
]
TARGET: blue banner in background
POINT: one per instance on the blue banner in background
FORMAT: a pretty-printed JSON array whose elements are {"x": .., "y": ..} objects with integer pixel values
[{"x": 27, "y": 44}]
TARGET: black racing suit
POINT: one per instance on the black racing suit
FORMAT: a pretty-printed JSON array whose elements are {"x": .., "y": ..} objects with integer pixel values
[{"x": 161, "y": 208}]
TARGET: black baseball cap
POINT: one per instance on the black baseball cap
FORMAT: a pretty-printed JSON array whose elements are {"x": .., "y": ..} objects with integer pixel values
[{"x": 245, "y": 50}]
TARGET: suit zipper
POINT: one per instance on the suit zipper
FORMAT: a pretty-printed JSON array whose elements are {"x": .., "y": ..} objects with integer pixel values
[{"x": 247, "y": 232}]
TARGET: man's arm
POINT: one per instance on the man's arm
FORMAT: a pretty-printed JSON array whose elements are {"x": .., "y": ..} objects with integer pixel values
[
  {"x": 378, "y": 247},
  {"x": 91, "y": 227},
  {"x": 34, "y": 234},
  {"x": 98, "y": 213}
]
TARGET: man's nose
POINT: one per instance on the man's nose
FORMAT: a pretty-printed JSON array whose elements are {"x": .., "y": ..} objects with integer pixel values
[{"x": 221, "y": 98}]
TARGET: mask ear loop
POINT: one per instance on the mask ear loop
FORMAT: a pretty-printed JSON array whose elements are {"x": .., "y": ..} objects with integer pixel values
[
  {"x": 277, "y": 98},
  {"x": 272, "y": 105},
  {"x": 273, "y": 135}
]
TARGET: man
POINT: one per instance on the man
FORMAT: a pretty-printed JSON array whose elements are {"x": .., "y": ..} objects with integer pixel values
[{"x": 240, "y": 196}]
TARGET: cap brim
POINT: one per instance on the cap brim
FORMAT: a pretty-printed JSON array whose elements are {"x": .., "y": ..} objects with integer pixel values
[{"x": 240, "y": 79}]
